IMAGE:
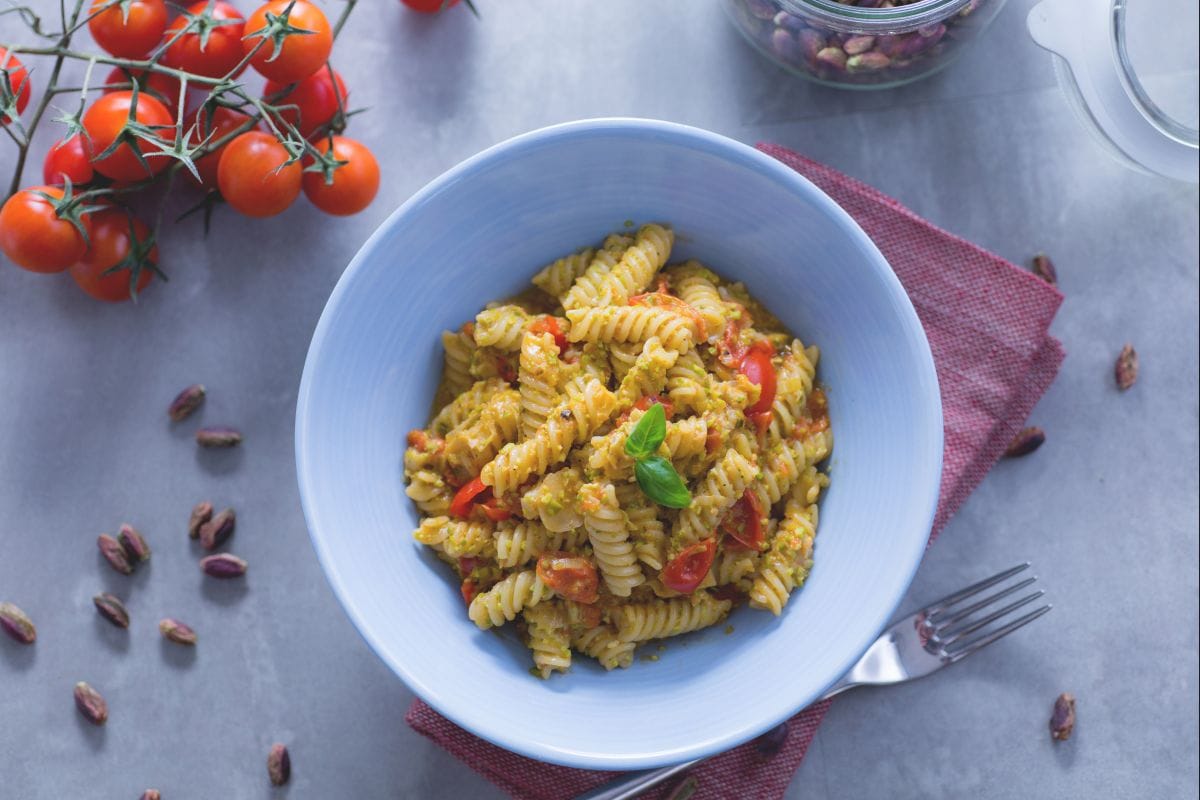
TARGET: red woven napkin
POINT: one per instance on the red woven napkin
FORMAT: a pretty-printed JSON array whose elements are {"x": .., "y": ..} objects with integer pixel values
[{"x": 987, "y": 322}]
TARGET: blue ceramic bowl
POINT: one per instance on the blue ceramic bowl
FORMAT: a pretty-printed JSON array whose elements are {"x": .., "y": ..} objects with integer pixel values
[{"x": 478, "y": 233}]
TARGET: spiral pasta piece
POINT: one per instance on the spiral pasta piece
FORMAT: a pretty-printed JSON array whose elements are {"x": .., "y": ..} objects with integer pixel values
[
  {"x": 648, "y": 373},
  {"x": 645, "y": 528},
  {"x": 630, "y": 324},
  {"x": 555, "y": 500},
  {"x": 459, "y": 348},
  {"x": 658, "y": 619},
  {"x": 518, "y": 543},
  {"x": 623, "y": 356},
  {"x": 457, "y": 538},
  {"x": 696, "y": 285},
  {"x": 555, "y": 279},
  {"x": 721, "y": 488},
  {"x": 470, "y": 447},
  {"x": 430, "y": 492},
  {"x": 537, "y": 378},
  {"x": 460, "y": 409},
  {"x": 588, "y": 289},
  {"x": 501, "y": 327},
  {"x": 736, "y": 568},
  {"x": 576, "y": 418},
  {"x": 687, "y": 384},
  {"x": 638, "y": 265},
  {"x": 549, "y": 638},
  {"x": 603, "y": 644},
  {"x": 794, "y": 380},
  {"x": 786, "y": 564},
  {"x": 608, "y": 531},
  {"x": 506, "y": 599}
]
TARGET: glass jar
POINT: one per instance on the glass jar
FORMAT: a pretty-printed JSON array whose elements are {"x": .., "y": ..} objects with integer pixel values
[{"x": 862, "y": 44}]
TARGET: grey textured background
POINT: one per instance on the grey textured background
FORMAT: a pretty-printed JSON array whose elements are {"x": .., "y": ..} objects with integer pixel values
[{"x": 1106, "y": 510}]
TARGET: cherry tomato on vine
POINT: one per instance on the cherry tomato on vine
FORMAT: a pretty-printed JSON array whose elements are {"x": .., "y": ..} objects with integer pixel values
[
  {"x": 111, "y": 244},
  {"x": 354, "y": 185},
  {"x": 216, "y": 57},
  {"x": 68, "y": 159},
  {"x": 315, "y": 99},
  {"x": 572, "y": 577},
  {"x": 162, "y": 87},
  {"x": 129, "y": 30},
  {"x": 34, "y": 237},
  {"x": 300, "y": 55},
  {"x": 684, "y": 572},
  {"x": 13, "y": 71},
  {"x": 250, "y": 177},
  {"x": 220, "y": 124},
  {"x": 429, "y": 6},
  {"x": 105, "y": 119}
]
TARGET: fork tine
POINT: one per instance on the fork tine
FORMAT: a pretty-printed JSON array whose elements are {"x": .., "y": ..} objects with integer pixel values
[
  {"x": 959, "y": 616},
  {"x": 990, "y": 618},
  {"x": 962, "y": 594},
  {"x": 983, "y": 641}
]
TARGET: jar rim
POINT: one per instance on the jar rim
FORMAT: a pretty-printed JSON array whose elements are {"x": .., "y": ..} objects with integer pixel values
[{"x": 882, "y": 19}]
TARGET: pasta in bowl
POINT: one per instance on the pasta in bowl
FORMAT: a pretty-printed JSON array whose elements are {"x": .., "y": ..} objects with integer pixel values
[
  {"x": 478, "y": 234},
  {"x": 621, "y": 455}
]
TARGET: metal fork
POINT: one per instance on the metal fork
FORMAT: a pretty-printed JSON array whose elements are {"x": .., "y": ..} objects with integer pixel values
[{"x": 941, "y": 633}]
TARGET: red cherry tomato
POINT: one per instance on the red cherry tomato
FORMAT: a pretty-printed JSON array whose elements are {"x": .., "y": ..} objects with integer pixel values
[
  {"x": 105, "y": 119},
  {"x": 757, "y": 367},
  {"x": 313, "y": 102},
  {"x": 743, "y": 524},
  {"x": 730, "y": 350},
  {"x": 467, "y": 564},
  {"x": 464, "y": 498},
  {"x": 250, "y": 176},
  {"x": 214, "y": 127},
  {"x": 68, "y": 159},
  {"x": 549, "y": 324},
  {"x": 34, "y": 237},
  {"x": 300, "y": 55},
  {"x": 572, "y": 577},
  {"x": 468, "y": 590},
  {"x": 128, "y": 30},
  {"x": 685, "y": 571},
  {"x": 492, "y": 509},
  {"x": 355, "y": 183},
  {"x": 429, "y": 6},
  {"x": 111, "y": 244},
  {"x": 162, "y": 87},
  {"x": 220, "y": 54},
  {"x": 646, "y": 401},
  {"x": 13, "y": 72}
]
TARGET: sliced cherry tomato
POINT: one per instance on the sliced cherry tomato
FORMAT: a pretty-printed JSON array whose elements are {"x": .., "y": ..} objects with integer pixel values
[
  {"x": 684, "y": 572},
  {"x": 312, "y": 103},
  {"x": 467, "y": 564},
  {"x": 648, "y": 400},
  {"x": 712, "y": 441},
  {"x": 300, "y": 55},
  {"x": 216, "y": 55},
  {"x": 355, "y": 182},
  {"x": 16, "y": 78},
  {"x": 729, "y": 592},
  {"x": 505, "y": 369},
  {"x": 111, "y": 245},
  {"x": 572, "y": 577},
  {"x": 817, "y": 413},
  {"x": 469, "y": 590},
  {"x": 549, "y": 324},
  {"x": 105, "y": 119},
  {"x": 34, "y": 237},
  {"x": 68, "y": 159},
  {"x": 743, "y": 524},
  {"x": 464, "y": 499},
  {"x": 672, "y": 303},
  {"x": 162, "y": 87},
  {"x": 756, "y": 365},
  {"x": 494, "y": 511},
  {"x": 128, "y": 29},
  {"x": 730, "y": 351},
  {"x": 429, "y": 6},
  {"x": 252, "y": 176}
]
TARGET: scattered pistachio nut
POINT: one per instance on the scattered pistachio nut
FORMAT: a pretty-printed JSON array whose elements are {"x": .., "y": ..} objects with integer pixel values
[
  {"x": 201, "y": 514},
  {"x": 833, "y": 56},
  {"x": 1043, "y": 267},
  {"x": 858, "y": 44},
  {"x": 151, "y": 794},
  {"x": 90, "y": 704},
  {"x": 770, "y": 743},
  {"x": 1126, "y": 369},
  {"x": 17, "y": 624},
  {"x": 223, "y": 565},
  {"x": 186, "y": 402},
  {"x": 279, "y": 764},
  {"x": 867, "y": 62},
  {"x": 112, "y": 609},
  {"x": 1062, "y": 720},
  {"x": 1025, "y": 442},
  {"x": 114, "y": 554},
  {"x": 175, "y": 631},
  {"x": 134, "y": 544},
  {"x": 218, "y": 437},
  {"x": 214, "y": 532},
  {"x": 684, "y": 789}
]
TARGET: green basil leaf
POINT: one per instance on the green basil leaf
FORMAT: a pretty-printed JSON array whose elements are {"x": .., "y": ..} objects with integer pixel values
[
  {"x": 648, "y": 434},
  {"x": 661, "y": 483}
]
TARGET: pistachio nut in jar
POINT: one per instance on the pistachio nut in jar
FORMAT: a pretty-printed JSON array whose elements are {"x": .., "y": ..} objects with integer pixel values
[{"x": 862, "y": 44}]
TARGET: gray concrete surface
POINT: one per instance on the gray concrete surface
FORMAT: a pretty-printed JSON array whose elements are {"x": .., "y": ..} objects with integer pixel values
[{"x": 1106, "y": 510}]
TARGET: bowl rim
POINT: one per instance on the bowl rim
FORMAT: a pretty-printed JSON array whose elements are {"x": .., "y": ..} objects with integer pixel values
[{"x": 508, "y": 737}]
